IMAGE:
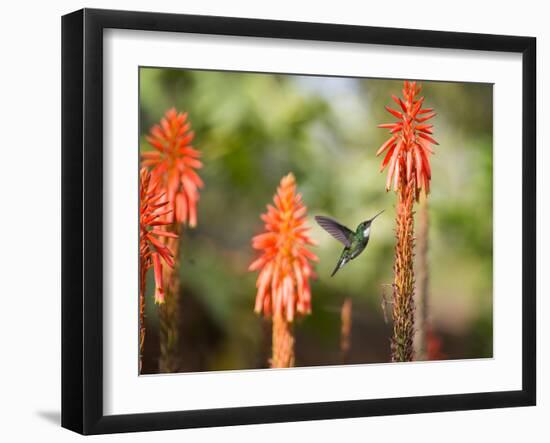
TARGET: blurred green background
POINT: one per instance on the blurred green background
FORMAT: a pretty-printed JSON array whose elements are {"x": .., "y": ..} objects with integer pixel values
[{"x": 254, "y": 128}]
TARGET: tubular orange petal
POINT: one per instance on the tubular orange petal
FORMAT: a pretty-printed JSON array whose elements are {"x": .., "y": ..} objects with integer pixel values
[
  {"x": 416, "y": 107},
  {"x": 308, "y": 254},
  {"x": 149, "y": 163},
  {"x": 151, "y": 155},
  {"x": 189, "y": 151},
  {"x": 426, "y": 146},
  {"x": 181, "y": 207},
  {"x": 183, "y": 128},
  {"x": 389, "y": 125},
  {"x": 258, "y": 263},
  {"x": 163, "y": 233},
  {"x": 386, "y": 145},
  {"x": 192, "y": 162},
  {"x": 157, "y": 243},
  {"x": 425, "y": 128},
  {"x": 426, "y": 117},
  {"x": 427, "y": 137},
  {"x": 419, "y": 167},
  {"x": 188, "y": 138},
  {"x": 399, "y": 102},
  {"x": 159, "y": 289},
  {"x": 156, "y": 132},
  {"x": 409, "y": 164},
  {"x": 425, "y": 163},
  {"x": 396, "y": 175},
  {"x": 388, "y": 157},
  {"x": 260, "y": 240},
  {"x": 425, "y": 111},
  {"x": 154, "y": 143},
  {"x": 391, "y": 169},
  {"x": 394, "y": 112},
  {"x": 192, "y": 213}
]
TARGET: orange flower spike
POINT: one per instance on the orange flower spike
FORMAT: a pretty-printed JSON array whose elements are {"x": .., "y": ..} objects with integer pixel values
[
  {"x": 409, "y": 147},
  {"x": 285, "y": 264},
  {"x": 175, "y": 161},
  {"x": 152, "y": 212}
]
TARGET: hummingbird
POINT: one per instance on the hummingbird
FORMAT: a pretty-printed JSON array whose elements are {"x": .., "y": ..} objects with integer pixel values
[{"x": 354, "y": 242}]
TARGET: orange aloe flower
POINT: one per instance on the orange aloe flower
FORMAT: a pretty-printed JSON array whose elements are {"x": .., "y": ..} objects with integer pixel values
[
  {"x": 285, "y": 268},
  {"x": 175, "y": 161},
  {"x": 407, "y": 159},
  {"x": 152, "y": 209},
  {"x": 409, "y": 147}
]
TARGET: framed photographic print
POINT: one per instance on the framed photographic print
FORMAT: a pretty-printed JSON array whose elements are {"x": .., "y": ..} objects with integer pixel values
[{"x": 270, "y": 221}]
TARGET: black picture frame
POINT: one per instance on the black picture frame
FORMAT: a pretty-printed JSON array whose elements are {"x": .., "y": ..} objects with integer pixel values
[{"x": 82, "y": 218}]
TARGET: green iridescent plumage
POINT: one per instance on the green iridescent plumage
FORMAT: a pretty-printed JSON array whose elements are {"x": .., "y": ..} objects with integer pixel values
[{"x": 354, "y": 242}]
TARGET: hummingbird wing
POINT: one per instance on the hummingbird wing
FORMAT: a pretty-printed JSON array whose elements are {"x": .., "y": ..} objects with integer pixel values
[{"x": 338, "y": 231}]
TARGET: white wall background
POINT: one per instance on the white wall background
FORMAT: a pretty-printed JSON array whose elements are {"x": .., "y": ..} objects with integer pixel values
[{"x": 30, "y": 96}]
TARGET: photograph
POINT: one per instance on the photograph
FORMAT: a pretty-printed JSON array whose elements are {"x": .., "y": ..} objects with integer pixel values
[{"x": 290, "y": 220}]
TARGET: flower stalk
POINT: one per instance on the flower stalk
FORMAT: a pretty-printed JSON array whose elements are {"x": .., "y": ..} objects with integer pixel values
[
  {"x": 345, "y": 329},
  {"x": 169, "y": 314},
  {"x": 282, "y": 343},
  {"x": 403, "y": 288}
]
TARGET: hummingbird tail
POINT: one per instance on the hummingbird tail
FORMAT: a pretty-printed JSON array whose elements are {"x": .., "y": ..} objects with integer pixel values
[{"x": 340, "y": 263}]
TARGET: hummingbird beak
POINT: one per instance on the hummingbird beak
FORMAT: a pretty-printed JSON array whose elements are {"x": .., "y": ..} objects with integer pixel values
[{"x": 377, "y": 215}]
